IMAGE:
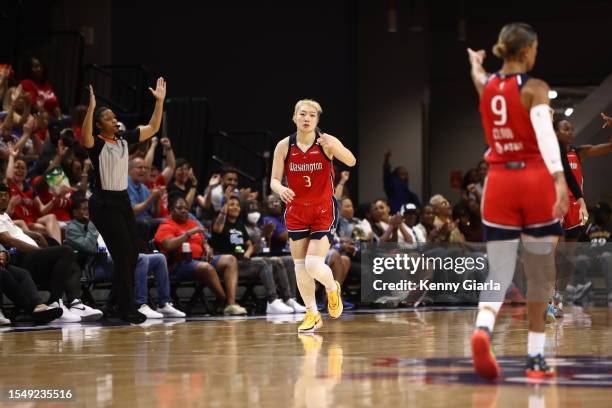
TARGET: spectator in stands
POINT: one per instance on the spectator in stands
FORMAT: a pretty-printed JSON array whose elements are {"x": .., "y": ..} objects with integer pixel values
[
  {"x": 282, "y": 265},
  {"x": 214, "y": 194},
  {"x": 351, "y": 227},
  {"x": 19, "y": 128},
  {"x": 445, "y": 228},
  {"x": 83, "y": 236},
  {"x": 55, "y": 267},
  {"x": 157, "y": 179},
  {"x": 277, "y": 239},
  {"x": 54, "y": 200},
  {"x": 229, "y": 236},
  {"x": 22, "y": 205},
  {"x": 77, "y": 116},
  {"x": 184, "y": 183},
  {"x": 7, "y": 75},
  {"x": 410, "y": 212},
  {"x": 427, "y": 220},
  {"x": 467, "y": 216},
  {"x": 364, "y": 213},
  {"x": 38, "y": 88},
  {"x": 145, "y": 203},
  {"x": 469, "y": 186},
  {"x": 180, "y": 229},
  {"x": 341, "y": 190},
  {"x": 384, "y": 226},
  {"x": 17, "y": 284},
  {"x": 396, "y": 186}
]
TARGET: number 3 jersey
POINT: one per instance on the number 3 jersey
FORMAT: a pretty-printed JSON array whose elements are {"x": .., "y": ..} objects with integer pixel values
[
  {"x": 310, "y": 173},
  {"x": 506, "y": 122}
]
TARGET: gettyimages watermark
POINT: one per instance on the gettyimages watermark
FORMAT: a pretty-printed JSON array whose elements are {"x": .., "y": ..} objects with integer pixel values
[{"x": 463, "y": 273}]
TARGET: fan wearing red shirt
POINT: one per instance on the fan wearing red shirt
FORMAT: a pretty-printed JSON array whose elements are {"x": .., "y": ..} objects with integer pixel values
[
  {"x": 22, "y": 204},
  {"x": 179, "y": 229},
  {"x": 525, "y": 193},
  {"x": 39, "y": 89},
  {"x": 311, "y": 214}
]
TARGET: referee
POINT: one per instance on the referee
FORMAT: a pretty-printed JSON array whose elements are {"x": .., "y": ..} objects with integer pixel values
[{"x": 109, "y": 206}]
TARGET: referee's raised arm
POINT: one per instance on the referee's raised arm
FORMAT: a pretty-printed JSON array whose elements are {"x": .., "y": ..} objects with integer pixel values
[
  {"x": 87, "y": 139},
  {"x": 147, "y": 131}
]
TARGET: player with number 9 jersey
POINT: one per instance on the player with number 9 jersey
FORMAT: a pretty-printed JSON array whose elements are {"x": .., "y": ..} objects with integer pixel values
[{"x": 517, "y": 173}]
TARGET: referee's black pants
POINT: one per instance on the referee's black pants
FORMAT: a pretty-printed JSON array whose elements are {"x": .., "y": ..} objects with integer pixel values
[{"x": 112, "y": 214}]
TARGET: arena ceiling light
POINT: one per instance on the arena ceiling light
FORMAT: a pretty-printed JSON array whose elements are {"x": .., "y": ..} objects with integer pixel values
[
  {"x": 569, "y": 111},
  {"x": 552, "y": 94}
]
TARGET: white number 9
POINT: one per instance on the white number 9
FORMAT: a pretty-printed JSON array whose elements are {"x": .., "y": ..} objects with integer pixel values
[{"x": 498, "y": 106}]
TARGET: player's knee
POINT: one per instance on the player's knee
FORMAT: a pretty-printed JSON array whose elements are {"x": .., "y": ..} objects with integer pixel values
[
  {"x": 314, "y": 263},
  {"x": 299, "y": 264},
  {"x": 539, "y": 245}
]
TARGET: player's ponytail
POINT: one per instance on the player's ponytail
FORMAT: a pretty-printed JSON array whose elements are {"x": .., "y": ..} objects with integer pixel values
[{"x": 513, "y": 38}]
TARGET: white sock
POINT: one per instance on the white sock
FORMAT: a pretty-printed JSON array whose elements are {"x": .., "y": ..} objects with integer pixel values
[
  {"x": 316, "y": 267},
  {"x": 535, "y": 343},
  {"x": 306, "y": 285},
  {"x": 485, "y": 318}
]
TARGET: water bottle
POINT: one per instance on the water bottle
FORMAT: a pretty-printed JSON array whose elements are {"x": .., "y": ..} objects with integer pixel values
[
  {"x": 186, "y": 251},
  {"x": 264, "y": 246}
]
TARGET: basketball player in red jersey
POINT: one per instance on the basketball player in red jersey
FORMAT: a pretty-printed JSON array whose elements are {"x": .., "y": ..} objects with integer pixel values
[
  {"x": 525, "y": 193},
  {"x": 577, "y": 213},
  {"x": 311, "y": 214}
]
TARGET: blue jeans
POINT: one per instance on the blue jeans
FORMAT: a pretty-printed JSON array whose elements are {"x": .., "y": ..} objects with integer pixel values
[{"x": 147, "y": 263}]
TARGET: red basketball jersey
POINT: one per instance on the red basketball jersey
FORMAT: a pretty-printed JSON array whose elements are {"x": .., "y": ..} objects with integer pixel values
[
  {"x": 575, "y": 165},
  {"x": 310, "y": 173},
  {"x": 506, "y": 122}
]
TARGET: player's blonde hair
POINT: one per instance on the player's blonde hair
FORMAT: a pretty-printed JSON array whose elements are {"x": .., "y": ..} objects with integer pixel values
[
  {"x": 513, "y": 38},
  {"x": 310, "y": 102}
]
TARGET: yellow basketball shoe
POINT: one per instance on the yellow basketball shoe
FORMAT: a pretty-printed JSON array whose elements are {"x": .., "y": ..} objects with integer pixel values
[
  {"x": 334, "y": 302},
  {"x": 312, "y": 321}
]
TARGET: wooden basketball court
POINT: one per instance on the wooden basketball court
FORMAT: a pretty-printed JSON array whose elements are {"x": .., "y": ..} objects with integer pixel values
[{"x": 386, "y": 359}]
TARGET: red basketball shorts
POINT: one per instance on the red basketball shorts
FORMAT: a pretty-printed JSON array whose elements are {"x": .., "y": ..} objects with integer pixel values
[
  {"x": 314, "y": 220},
  {"x": 519, "y": 199}
]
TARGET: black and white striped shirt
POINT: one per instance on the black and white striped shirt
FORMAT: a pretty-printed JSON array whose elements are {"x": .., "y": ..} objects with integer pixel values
[{"x": 110, "y": 161}]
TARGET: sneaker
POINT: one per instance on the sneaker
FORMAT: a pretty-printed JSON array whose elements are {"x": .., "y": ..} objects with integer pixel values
[
  {"x": 85, "y": 312},
  {"x": 297, "y": 308},
  {"x": 550, "y": 313},
  {"x": 3, "y": 320},
  {"x": 334, "y": 302},
  {"x": 234, "y": 310},
  {"x": 150, "y": 313},
  {"x": 536, "y": 367},
  {"x": 67, "y": 316},
  {"x": 278, "y": 307},
  {"x": 132, "y": 316},
  {"x": 44, "y": 316},
  {"x": 582, "y": 291},
  {"x": 483, "y": 358},
  {"x": 170, "y": 311},
  {"x": 312, "y": 321}
]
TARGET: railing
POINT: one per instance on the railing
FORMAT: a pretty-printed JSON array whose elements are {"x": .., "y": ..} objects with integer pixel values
[
  {"x": 251, "y": 162},
  {"x": 186, "y": 122},
  {"x": 62, "y": 52}
]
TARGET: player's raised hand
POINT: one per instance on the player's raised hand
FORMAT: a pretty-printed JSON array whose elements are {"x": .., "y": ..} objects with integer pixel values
[
  {"x": 607, "y": 120},
  {"x": 476, "y": 57},
  {"x": 287, "y": 195}
]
